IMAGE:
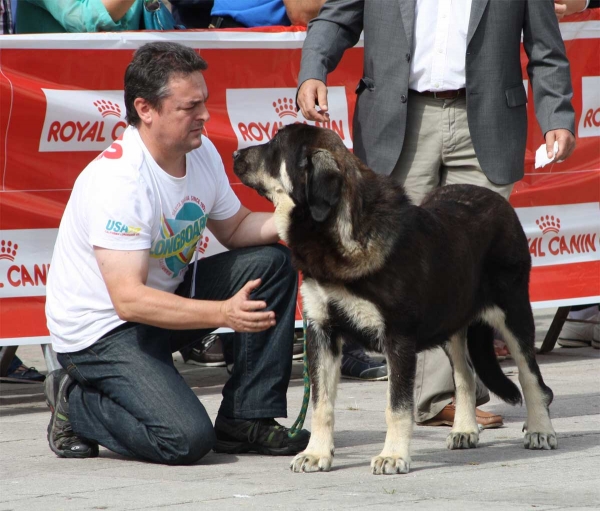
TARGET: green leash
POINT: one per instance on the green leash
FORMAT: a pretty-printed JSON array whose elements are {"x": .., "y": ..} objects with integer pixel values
[{"x": 297, "y": 426}]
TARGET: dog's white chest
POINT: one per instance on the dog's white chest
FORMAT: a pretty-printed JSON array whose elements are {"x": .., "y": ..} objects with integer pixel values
[{"x": 363, "y": 314}]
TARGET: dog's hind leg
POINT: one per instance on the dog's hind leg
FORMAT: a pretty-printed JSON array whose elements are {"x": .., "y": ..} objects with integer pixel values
[
  {"x": 517, "y": 327},
  {"x": 465, "y": 431},
  {"x": 395, "y": 456},
  {"x": 324, "y": 355}
]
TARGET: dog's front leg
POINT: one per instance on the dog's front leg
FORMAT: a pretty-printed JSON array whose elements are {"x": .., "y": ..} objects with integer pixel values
[
  {"x": 324, "y": 357},
  {"x": 395, "y": 456}
]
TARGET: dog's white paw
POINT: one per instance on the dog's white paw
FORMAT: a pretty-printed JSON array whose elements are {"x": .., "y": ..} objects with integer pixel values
[
  {"x": 389, "y": 465},
  {"x": 306, "y": 462},
  {"x": 460, "y": 440},
  {"x": 540, "y": 440}
]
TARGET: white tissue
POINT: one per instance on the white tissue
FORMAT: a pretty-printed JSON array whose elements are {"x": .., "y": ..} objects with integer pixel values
[{"x": 541, "y": 157}]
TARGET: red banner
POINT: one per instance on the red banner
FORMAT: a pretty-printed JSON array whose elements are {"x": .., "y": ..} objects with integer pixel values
[{"x": 61, "y": 103}]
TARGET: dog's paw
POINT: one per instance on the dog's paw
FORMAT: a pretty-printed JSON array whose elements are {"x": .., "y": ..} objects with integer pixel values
[
  {"x": 540, "y": 440},
  {"x": 458, "y": 440},
  {"x": 389, "y": 465},
  {"x": 306, "y": 462}
]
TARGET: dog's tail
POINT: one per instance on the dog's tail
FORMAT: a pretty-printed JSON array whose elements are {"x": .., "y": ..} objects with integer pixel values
[{"x": 480, "y": 341}]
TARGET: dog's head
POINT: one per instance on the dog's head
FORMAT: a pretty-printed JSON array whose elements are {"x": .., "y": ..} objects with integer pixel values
[{"x": 303, "y": 163}]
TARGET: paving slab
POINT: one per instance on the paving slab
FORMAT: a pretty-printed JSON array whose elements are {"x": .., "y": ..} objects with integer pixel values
[{"x": 499, "y": 475}]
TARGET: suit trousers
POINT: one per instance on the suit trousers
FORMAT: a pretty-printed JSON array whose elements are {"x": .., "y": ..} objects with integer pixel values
[{"x": 438, "y": 151}]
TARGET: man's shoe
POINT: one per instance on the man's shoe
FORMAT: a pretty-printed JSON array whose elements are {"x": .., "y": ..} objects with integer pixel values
[
  {"x": 63, "y": 442},
  {"x": 264, "y": 436},
  {"x": 357, "y": 365},
  {"x": 207, "y": 353},
  {"x": 578, "y": 333},
  {"x": 485, "y": 420}
]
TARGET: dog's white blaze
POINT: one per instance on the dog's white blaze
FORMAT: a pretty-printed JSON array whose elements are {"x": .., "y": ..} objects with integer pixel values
[
  {"x": 362, "y": 313},
  {"x": 464, "y": 380},
  {"x": 538, "y": 420}
]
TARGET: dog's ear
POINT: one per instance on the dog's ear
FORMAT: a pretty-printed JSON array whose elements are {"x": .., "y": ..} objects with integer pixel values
[{"x": 324, "y": 184}]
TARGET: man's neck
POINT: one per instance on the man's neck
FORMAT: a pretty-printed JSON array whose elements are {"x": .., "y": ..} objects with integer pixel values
[{"x": 173, "y": 163}]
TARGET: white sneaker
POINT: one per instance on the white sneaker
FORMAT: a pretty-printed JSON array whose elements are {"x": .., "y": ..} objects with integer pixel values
[{"x": 579, "y": 333}]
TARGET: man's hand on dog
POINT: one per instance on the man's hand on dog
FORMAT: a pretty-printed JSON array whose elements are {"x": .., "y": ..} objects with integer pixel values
[
  {"x": 242, "y": 314},
  {"x": 311, "y": 93}
]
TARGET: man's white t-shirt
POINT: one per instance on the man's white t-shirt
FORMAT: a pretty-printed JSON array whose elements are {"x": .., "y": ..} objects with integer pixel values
[{"x": 124, "y": 201}]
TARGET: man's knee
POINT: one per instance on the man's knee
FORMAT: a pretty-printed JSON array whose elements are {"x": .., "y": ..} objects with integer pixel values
[
  {"x": 190, "y": 443},
  {"x": 276, "y": 260}
]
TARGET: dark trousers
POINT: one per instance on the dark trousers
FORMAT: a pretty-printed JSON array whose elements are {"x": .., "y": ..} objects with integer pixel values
[{"x": 130, "y": 398}]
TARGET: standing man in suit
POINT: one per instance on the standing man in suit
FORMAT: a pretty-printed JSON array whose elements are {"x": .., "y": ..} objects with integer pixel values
[{"x": 442, "y": 101}]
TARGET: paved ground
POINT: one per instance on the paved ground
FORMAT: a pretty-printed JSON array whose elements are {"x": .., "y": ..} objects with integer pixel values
[{"x": 499, "y": 475}]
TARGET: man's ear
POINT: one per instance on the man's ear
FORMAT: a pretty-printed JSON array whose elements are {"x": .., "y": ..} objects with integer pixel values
[
  {"x": 143, "y": 109},
  {"x": 324, "y": 186}
]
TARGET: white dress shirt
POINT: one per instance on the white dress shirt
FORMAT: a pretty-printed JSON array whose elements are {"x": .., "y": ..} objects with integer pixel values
[{"x": 440, "y": 45}]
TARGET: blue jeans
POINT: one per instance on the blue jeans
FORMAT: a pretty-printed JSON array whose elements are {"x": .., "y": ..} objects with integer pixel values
[{"x": 128, "y": 395}]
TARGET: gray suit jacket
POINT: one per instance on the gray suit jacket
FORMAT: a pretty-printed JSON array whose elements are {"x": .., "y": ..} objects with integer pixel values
[{"x": 496, "y": 98}]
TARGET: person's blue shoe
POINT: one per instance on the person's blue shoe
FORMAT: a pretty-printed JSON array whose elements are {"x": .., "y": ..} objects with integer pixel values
[
  {"x": 19, "y": 371},
  {"x": 357, "y": 365}
]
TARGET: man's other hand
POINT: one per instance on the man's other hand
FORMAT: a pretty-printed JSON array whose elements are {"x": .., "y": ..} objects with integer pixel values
[
  {"x": 564, "y": 8},
  {"x": 311, "y": 93},
  {"x": 566, "y": 144}
]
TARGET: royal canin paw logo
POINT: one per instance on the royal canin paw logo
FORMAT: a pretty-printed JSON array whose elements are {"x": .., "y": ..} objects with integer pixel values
[
  {"x": 285, "y": 106},
  {"x": 203, "y": 244},
  {"x": 107, "y": 108},
  {"x": 548, "y": 223},
  {"x": 8, "y": 250}
]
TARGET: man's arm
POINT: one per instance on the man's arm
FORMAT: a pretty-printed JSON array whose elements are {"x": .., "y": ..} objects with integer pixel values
[
  {"x": 125, "y": 272},
  {"x": 245, "y": 229},
  {"x": 300, "y": 12},
  {"x": 330, "y": 34},
  {"x": 548, "y": 70},
  {"x": 87, "y": 15},
  {"x": 117, "y": 8}
]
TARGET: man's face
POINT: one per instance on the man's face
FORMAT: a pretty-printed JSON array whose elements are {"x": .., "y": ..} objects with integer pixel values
[{"x": 179, "y": 124}]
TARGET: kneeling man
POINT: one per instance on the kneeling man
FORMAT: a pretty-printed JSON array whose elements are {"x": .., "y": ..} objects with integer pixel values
[{"x": 125, "y": 290}]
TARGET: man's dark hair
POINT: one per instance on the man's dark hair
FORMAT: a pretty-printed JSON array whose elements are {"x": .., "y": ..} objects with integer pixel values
[{"x": 149, "y": 72}]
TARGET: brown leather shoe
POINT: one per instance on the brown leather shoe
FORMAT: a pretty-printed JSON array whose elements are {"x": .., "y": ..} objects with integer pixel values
[{"x": 446, "y": 418}]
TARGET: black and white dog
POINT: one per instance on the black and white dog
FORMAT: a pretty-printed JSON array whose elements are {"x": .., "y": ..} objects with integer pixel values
[{"x": 399, "y": 279}]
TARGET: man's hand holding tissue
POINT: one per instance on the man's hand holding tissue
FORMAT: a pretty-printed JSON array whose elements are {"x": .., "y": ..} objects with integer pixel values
[{"x": 566, "y": 144}]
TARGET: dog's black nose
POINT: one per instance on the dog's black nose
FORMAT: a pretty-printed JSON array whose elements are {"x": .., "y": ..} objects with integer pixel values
[{"x": 236, "y": 155}]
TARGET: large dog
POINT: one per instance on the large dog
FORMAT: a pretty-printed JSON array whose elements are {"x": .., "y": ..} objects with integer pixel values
[{"x": 399, "y": 279}]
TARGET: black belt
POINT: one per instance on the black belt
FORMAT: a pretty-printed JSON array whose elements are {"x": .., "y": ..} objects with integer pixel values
[
  {"x": 442, "y": 94},
  {"x": 224, "y": 22}
]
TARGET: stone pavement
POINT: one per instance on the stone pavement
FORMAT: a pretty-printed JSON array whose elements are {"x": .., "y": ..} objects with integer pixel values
[{"x": 499, "y": 475}]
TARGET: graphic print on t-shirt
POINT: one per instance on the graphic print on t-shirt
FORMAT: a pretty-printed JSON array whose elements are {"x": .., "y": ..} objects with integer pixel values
[{"x": 175, "y": 245}]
